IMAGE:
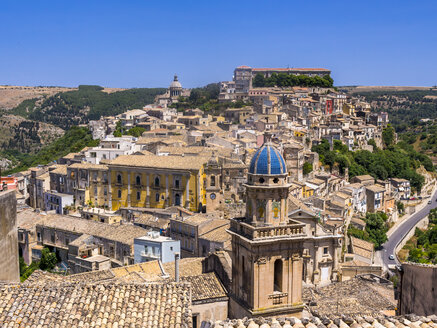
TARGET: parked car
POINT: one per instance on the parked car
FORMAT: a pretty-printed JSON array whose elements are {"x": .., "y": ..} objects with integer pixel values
[
  {"x": 391, "y": 257},
  {"x": 429, "y": 202}
]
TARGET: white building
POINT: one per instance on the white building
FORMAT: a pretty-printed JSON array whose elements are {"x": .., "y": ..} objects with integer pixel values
[
  {"x": 155, "y": 247},
  {"x": 132, "y": 117},
  {"x": 56, "y": 201},
  {"x": 110, "y": 148}
]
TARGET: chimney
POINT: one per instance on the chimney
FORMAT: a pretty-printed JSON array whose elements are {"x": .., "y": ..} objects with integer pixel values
[{"x": 176, "y": 264}]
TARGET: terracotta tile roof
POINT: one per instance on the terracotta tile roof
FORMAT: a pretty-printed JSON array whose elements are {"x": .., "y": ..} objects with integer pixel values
[
  {"x": 205, "y": 287},
  {"x": 218, "y": 234},
  {"x": 71, "y": 155},
  {"x": 100, "y": 305},
  {"x": 167, "y": 162},
  {"x": 152, "y": 221},
  {"x": 190, "y": 266},
  {"x": 164, "y": 139},
  {"x": 28, "y": 218},
  {"x": 147, "y": 271},
  {"x": 381, "y": 321},
  {"x": 365, "y": 177},
  {"x": 121, "y": 233},
  {"x": 375, "y": 188},
  {"x": 60, "y": 169},
  {"x": 88, "y": 166},
  {"x": 362, "y": 247}
]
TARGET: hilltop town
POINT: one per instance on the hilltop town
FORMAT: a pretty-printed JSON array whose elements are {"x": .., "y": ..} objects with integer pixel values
[{"x": 274, "y": 208}]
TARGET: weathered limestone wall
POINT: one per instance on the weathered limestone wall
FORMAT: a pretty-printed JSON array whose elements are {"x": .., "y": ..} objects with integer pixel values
[
  {"x": 418, "y": 289},
  {"x": 349, "y": 272},
  {"x": 9, "y": 269},
  {"x": 210, "y": 311}
]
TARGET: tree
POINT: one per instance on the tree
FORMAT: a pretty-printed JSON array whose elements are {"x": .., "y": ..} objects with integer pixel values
[
  {"x": 376, "y": 228},
  {"x": 372, "y": 142},
  {"x": 259, "y": 80},
  {"x": 400, "y": 206},
  {"x": 416, "y": 255},
  {"x": 329, "y": 159},
  {"x": 388, "y": 136},
  {"x": 48, "y": 260},
  {"x": 307, "y": 168},
  {"x": 136, "y": 131},
  {"x": 23, "y": 265},
  {"x": 340, "y": 147},
  {"x": 343, "y": 162}
]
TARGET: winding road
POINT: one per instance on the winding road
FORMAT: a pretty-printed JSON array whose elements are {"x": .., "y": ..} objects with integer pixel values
[{"x": 402, "y": 230}]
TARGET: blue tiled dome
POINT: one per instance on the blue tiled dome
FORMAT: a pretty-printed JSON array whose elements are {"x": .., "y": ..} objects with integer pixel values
[{"x": 267, "y": 160}]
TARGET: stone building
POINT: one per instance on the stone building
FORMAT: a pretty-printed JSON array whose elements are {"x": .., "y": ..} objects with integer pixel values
[
  {"x": 234, "y": 175},
  {"x": 9, "y": 269},
  {"x": 174, "y": 91},
  {"x": 38, "y": 184},
  {"x": 266, "y": 245},
  {"x": 192, "y": 232},
  {"x": 157, "y": 181},
  {"x": 244, "y": 75},
  {"x": 294, "y": 158},
  {"x": 87, "y": 245},
  {"x": 214, "y": 195},
  {"x": 321, "y": 248},
  {"x": 82, "y": 183}
]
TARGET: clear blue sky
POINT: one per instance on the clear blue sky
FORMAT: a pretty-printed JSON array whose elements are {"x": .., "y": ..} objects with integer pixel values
[{"x": 143, "y": 43}]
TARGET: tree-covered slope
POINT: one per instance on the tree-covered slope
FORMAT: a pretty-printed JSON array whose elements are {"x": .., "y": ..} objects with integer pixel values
[
  {"x": 72, "y": 141},
  {"x": 76, "y": 107}
]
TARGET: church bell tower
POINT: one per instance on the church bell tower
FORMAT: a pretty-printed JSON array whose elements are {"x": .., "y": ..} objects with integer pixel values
[{"x": 266, "y": 245}]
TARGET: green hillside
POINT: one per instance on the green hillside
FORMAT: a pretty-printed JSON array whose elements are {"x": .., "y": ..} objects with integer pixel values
[
  {"x": 72, "y": 141},
  {"x": 89, "y": 102}
]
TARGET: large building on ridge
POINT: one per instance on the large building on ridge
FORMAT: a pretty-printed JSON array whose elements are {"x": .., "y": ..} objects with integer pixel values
[{"x": 243, "y": 75}]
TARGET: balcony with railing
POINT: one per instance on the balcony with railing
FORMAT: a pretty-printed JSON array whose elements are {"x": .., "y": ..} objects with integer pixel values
[{"x": 291, "y": 229}]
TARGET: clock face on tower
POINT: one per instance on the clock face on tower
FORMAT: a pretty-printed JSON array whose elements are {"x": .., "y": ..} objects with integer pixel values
[{"x": 212, "y": 196}]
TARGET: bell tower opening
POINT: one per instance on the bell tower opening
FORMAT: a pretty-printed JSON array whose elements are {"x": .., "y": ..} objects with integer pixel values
[{"x": 277, "y": 282}]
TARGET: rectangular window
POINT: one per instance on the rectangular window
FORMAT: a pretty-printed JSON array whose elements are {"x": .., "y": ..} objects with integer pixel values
[
  {"x": 138, "y": 195},
  {"x": 325, "y": 250},
  {"x": 157, "y": 197}
]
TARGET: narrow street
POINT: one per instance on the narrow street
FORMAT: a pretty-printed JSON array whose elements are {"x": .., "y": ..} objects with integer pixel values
[{"x": 402, "y": 230}]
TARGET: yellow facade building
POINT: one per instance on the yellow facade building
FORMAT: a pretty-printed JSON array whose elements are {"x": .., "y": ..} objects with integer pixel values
[{"x": 157, "y": 181}]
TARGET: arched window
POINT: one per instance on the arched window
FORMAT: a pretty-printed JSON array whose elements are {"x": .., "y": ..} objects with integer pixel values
[
  {"x": 157, "y": 182},
  {"x": 177, "y": 200},
  {"x": 277, "y": 282},
  {"x": 157, "y": 197},
  {"x": 138, "y": 180},
  {"x": 119, "y": 178},
  {"x": 119, "y": 193},
  {"x": 212, "y": 181}
]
